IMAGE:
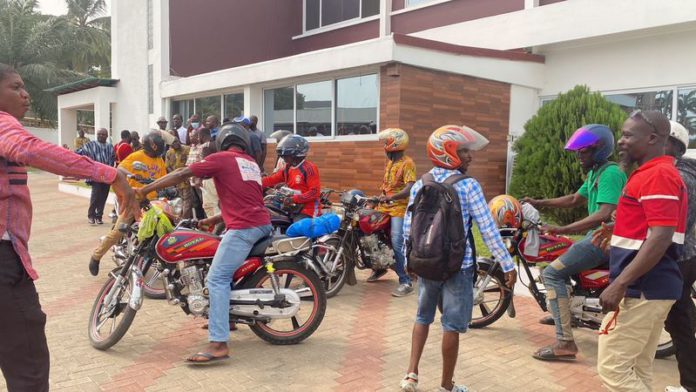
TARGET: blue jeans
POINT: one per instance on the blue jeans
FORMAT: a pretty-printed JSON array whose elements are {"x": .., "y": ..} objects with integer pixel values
[
  {"x": 457, "y": 295},
  {"x": 580, "y": 257},
  {"x": 397, "y": 240},
  {"x": 231, "y": 254}
]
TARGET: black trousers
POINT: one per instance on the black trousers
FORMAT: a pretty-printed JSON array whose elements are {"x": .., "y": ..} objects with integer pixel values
[
  {"x": 681, "y": 325},
  {"x": 198, "y": 203},
  {"x": 24, "y": 358},
  {"x": 98, "y": 199}
]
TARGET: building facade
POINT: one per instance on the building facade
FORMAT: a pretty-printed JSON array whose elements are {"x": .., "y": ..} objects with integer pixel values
[{"x": 337, "y": 71}]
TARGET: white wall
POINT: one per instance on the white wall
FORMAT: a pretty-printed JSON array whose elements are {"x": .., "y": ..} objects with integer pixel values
[{"x": 47, "y": 134}]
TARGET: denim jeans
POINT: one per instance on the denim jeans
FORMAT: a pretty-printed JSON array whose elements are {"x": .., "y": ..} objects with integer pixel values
[
  {"x": 397, "y": 240},
  {"x": 580, "y": 257},
  {"x": 457, "y": 295},
  {"x": 231, "y": 254}
]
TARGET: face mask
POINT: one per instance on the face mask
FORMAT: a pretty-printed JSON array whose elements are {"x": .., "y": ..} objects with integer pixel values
[{"x": 195, "y": 124}]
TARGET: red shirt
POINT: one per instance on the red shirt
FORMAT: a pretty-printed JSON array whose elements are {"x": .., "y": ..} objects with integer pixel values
[
  {"x": 18, "y": 149},
  {"x": 655, "y": 196},
  {"x": 303, "y": 178},
  {"x": 237, "y": 180},
  {"x": 122, "y": 150}
]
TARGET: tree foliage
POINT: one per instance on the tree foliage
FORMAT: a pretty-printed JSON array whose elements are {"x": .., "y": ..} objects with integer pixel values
[{"x": 543, "y": 169}]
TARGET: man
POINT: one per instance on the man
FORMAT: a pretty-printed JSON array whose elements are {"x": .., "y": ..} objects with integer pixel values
[
  {"x": 162, "y": 123},
  {"x": 212, "y": 123},
  {"x": 135, "y": 141},
  {"x": 449, "y": 148},
  {"x": 399, "y": 177},
  {"x": 176, "y": 159},
  {"x": 123, "y": 148},
  {"x": 81, "y": 140},
  {"x": 299, "y": 174},
  {"x": 238, "y": 181},
  {"x": 182, "y": 131},
  {"x": 645, "y": 246},
  {"x": 255, "y": 149},
  {"x": 278, "y": 136},
  {"x": 200, "y": 139},
  {"x": 150, "y": 166},
  {"x": 262, "y": 138},
  {"x": 24, "y": 357},
  {"x": 593, "y": 144},
  {"x": 100, "y": 151}
]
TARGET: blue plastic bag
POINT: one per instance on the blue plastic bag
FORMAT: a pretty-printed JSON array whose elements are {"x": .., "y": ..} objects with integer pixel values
[{"x": 314, "y": 228}]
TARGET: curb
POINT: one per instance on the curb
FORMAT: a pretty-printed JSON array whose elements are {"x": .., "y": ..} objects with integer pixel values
[{"x": 81, "y": 191}]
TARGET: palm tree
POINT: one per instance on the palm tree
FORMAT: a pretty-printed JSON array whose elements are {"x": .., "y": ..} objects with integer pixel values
[{"x": 89, "y": 36}]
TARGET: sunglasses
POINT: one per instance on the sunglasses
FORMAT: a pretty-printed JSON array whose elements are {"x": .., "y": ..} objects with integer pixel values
[{"x": 639, "y": 114}]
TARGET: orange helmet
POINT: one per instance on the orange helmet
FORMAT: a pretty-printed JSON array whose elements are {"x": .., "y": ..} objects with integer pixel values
[
  {"x": 395, "y": 139},
  {"x": 507, "y": 212},
  {"x": 446, "y": 140}
]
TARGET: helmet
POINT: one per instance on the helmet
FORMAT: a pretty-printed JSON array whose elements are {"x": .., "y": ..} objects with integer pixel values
[
  {"x": 678, "y": 132},
  {"x": 293, "y": 145},
  {"x": 232, "y": 134},
  {"x": 444, "y": 142},
  {"x": 280, "y": 135},
  {"x": 507, "y": 212},
  {"x": 593, "y": 135},
  {"x": 395, "y": 139},
  {"x": 348, "y": 197}
]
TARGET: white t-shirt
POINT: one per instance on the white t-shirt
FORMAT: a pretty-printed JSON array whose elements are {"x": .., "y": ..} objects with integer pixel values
[{"x": 182, "y": 134}]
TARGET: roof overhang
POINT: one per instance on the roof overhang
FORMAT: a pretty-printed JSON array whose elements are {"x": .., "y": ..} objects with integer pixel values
[{"x": 80, "y": 85}]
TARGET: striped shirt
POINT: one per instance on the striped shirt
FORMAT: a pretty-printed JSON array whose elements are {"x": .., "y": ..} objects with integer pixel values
[
  {"x": 100, "y": 152},
  {"x": 19, "y": 149},
  {"x": 473, "y": 205}
]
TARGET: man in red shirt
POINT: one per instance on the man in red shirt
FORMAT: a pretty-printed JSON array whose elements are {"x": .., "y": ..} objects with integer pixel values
[
  {"x": 123, "y": 148},
  {"x": 299, "y": 174},
  {"x": 645, "y": 246},
  {"x": 24, "y": 358},
  {"x": 237, "y": 180}
]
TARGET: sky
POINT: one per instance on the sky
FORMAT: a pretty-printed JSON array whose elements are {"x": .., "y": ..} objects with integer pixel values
[{"x": 58, "y": 7}]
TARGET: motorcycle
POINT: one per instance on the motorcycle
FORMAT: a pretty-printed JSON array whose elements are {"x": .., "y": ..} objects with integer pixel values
[
  {"x": 492, "y": 298},
  {"x": 275, "y": 292},
  {"x": 282, "y": 214}
]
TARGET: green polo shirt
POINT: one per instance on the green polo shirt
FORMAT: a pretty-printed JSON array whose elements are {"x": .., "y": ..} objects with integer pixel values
[{"x": 603, "y": 190}]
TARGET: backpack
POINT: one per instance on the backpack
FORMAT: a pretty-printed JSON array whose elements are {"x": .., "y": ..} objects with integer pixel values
[{"x": 437, "y": 241}]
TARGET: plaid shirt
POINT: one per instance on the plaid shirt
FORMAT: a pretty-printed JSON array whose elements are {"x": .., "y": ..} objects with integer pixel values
[
  {"x": 473, "y": 204},
  {"x": 18, "y": 149}
]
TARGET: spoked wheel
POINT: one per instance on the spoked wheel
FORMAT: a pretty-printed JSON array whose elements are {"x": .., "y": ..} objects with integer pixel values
[
  {"x": 108, "y": 322},
  {"x": 493, "y": 301},
  {"x": 311, "y": 292},
  {"x": 153, "y": 285},
  {"x": 327, "y": 255},
  {"x": 665, "y": 347}
]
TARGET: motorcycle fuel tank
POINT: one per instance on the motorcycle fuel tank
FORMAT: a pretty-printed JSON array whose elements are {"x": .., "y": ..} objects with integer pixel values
[
  {"x": 181, "y": 245},
  {"x": 372, "y": 221},
  {"x": 551, "y": 247}
]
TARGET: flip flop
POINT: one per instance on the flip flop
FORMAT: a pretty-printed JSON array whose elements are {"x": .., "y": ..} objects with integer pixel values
[
  {"x": 547, "y": 354},
  {"x": 210, "y": 358}
]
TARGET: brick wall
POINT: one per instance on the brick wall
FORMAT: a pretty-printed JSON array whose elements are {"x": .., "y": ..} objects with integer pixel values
[{"x": 419, "y": 101}]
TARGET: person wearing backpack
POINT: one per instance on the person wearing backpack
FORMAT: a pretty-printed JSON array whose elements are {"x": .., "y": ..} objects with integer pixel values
[
  {"x": 593, "y": 144},
  {"x": 442, "y": 207}
]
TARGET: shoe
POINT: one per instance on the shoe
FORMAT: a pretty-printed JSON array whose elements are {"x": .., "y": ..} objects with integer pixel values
[
  {"x": 93, "y": 267},
  {"x": 403, "y": 290},
  {"x": 548, "y": 320},
  {"x": 99, "y": 221},
  {"x": 675, "y": 389},
  {"x": 455, "y": 388},
  {"x": 376, "y": 275},
  {"x": 409, "y": 383},
  {"x": 91, "y": 221}
]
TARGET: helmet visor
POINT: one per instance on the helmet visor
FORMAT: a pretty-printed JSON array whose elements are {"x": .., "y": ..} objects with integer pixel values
[{"x": 582, "y": 138}]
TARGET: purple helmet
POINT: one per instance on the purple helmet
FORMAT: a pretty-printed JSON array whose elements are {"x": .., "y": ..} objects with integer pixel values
[{"x": 593, "y": 135}]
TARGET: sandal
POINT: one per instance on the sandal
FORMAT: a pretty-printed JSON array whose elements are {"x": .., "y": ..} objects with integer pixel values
[
  {"x": 209, "y": 358},
  {"x": 409, "y": 383},
  {"x": 548, "y": 354}
]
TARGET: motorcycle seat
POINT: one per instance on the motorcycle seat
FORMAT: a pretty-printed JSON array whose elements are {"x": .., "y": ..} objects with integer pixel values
[{"x": 259, "y": 248}]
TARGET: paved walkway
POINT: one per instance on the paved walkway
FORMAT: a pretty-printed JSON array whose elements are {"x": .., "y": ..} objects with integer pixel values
[{"x": 362, "y": 345}]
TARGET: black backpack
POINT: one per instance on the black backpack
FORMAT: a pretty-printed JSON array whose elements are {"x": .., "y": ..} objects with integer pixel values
[{"x": 437, "y": 241}]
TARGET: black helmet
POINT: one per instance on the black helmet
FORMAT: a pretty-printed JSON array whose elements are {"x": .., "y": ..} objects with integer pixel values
[
  {"x": 293, "y": 145},
  {"x": 232, "y": 134},
  {"x": 348, "y": 197}
]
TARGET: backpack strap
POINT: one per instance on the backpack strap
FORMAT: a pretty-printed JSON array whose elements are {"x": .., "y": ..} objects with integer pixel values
[{"x": 601, "y": 170}]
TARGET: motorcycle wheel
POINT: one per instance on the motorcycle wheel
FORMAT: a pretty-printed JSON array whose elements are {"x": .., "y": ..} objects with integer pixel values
[
  {"x": 107, "y": 325},
  {"x": 311, "y": 291},
  {"x": 665, "y": 347},
  {"x": 334, "y": 284},
  {"x": 153, "y": 286}
]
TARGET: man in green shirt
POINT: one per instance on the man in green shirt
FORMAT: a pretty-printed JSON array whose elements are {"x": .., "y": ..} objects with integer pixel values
[{"x": 593, "y": 145}]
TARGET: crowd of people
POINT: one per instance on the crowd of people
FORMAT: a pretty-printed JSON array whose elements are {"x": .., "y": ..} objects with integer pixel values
[{"x": 639, "y": 224}]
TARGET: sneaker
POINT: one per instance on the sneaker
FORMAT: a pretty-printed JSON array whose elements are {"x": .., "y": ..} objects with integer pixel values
[
  {"x": 403, "y": 290},
  {"x": 409, "y": 383},
  {"x": 675, "y": 389},
  {"x": 91, "y": 221},
  {"x": 93, "y": 266},
  {"x": 455, "y": 388},
  {"x": 376, "y": 275},
  {"x": 99, "y": 221}
]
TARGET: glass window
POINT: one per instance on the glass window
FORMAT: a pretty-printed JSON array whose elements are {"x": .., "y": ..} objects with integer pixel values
[
  {"x": 311, "y": 14},
  {"x": 184, "y": 108},
  {"x": 334, "y": 11},
  {"x": 650, "y": 100},
  {"x": 410, "y": 3},
  {"x": 314, "y": 102},
  {"x": 369, "y": 8},
  {"x": 208, "y": 106},
  {"x": 686, "y": 112},
  {"x": 234, "y": 106},
  {"x": 278, "y": 107},
  {"x": 356, "y": 105}
]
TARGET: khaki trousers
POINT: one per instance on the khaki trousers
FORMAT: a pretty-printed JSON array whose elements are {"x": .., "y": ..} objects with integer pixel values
[
  {"x": 112, "y": 238},
  {"x": 627, "y": 351}
]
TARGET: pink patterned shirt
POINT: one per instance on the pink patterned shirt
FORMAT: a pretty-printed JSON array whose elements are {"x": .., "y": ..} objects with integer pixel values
[{"x": 19, "y": 149}]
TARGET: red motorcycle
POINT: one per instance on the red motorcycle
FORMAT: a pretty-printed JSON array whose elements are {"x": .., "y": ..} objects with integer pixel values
[
  {"x": 492, "y": 298},
  {"x": 275, "y": 292}
]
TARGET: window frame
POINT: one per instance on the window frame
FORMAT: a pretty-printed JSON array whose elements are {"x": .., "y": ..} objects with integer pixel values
[{"x": 334, "y": 26}]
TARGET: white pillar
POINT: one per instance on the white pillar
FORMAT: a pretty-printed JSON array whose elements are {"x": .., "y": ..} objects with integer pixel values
[
  {"x": 102, "y": 112},
  {"x": 385, "y": 7},
  {"x": 531, "y": 4},
  {"x": 67, "y": 126}
]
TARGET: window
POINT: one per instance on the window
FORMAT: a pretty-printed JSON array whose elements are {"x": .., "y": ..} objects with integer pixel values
[
  {"x": 150, "y": 88},
  {"x": 208, "y": 106},
  {"x": 150, "y": 22},
  {"x": 356, "y": 105},
  {"x": 278, "y": 111},
  {"x": 686, "y": 112},
  {"x": 411, "y": 3},
  {"x": 234, "y": 106},
  {"x": 314, "y": 103},
  {"x": 650, "y": 100},
  {"x": 320, "y": 13},
  {"x": 184, "y": 108}
]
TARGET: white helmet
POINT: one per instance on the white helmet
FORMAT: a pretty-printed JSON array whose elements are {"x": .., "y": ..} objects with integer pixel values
[{"x": 680, "y": 133}]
